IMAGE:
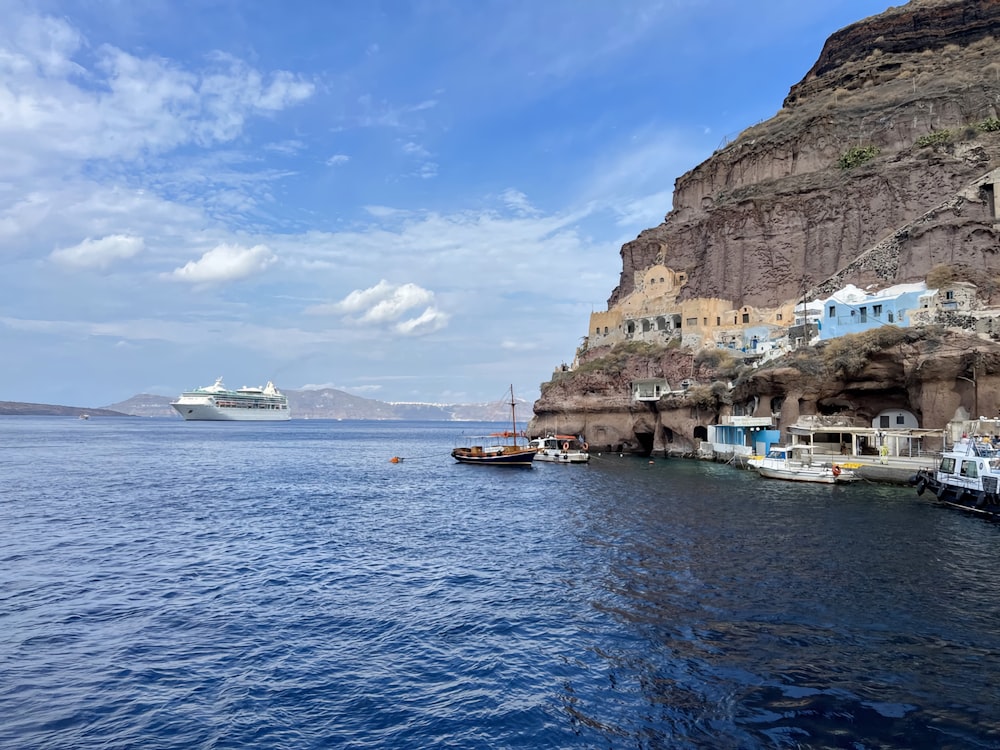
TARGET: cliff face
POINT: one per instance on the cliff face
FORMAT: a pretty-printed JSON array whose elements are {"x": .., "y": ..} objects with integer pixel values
[
  {"x": 786, "y": 211},
  {"x": 773, "y": 215},
  {"x": 939, "y": 375}
]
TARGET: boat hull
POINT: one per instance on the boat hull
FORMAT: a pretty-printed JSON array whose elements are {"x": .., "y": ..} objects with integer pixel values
[
  {"x": 563, "y": 457},
  {"x": 520, "y": 457},
  {"x": 970, "y": 500},
  {"x": 796, "y": 476},
  {"x": 212, "y": 413}
]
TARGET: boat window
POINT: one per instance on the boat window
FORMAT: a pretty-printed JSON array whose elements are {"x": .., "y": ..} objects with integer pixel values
[
  {"x": 969, "y": 469},
  {"x": 947, "y": 465}
]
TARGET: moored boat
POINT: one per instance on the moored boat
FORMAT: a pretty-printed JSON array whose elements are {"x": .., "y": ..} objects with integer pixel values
[
  {"x": 563, "y": 449},
  {"x": 967, "y": 477},
  {"x": 796, "y": 463},
  {"x": 247, "y": 404},
  {"x": 507, "y": 448}
]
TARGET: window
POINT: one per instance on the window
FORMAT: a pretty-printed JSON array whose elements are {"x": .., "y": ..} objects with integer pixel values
[
  {"x": 833, "y": 312},
  {"x": 779, "y": 316},
  {"x": 890, "y": 317},
  {"x": 704, "y": 321},
  {"x": 718, "y": 321},
  {"x": 876, "y": 310},
  {"x": 969, "y": 470},
  {"x": 947, "y": 465},
  {"x": 746, "y": 318},
  {"x": 693, "y": 322},
  {"x": 864, "y": 314},
  {"x": 949, "y": 295},
  {"x": 900, "y": 419},
  {"x": 883, "y": 421},
  {"x": 605, "y": 330}
]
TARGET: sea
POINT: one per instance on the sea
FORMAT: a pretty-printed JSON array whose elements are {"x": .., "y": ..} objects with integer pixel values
[{"x": 170, "y": 584}]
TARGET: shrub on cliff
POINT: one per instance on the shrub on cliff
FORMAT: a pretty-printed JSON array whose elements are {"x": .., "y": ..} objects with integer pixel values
[
  {"x": 937, "y": 138},
  {"x": 941, "y": 275},
  {"x": 720, "y": 363},
  {"x": 848, "y": 356},
  {"x": 617, "y": 357},
  {"x": 857, "y": 155}
]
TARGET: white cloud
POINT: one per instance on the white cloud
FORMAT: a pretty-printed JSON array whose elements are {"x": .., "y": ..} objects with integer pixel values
[
  {"x": 648, "y": 210},
  {"x": 99, "y": 253},
  {"x": 428, "y": 321},
  {"x": 124, "y": 105},
  {"x": 388, "y": 303},
  {"x": 225, "y": 263},
  {"x": 338, "y": 159},
  {"x": 415, "y": 149},
  {"x": 518, "y": 201}
]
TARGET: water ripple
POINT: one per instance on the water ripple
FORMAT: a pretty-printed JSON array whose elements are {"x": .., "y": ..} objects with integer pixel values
[{"x": 166, "y": 585}]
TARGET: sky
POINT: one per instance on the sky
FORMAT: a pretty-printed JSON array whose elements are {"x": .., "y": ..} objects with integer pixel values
[{"x": 407, "y": 201}]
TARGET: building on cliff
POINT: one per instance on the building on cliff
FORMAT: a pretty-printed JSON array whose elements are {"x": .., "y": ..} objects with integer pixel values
[
  {"x": 653, "y": 314},
  {"x": 851, "y": 310}
]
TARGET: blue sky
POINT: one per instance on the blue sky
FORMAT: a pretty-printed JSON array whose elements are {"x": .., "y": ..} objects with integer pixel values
[{"x": 408, "y": 201}]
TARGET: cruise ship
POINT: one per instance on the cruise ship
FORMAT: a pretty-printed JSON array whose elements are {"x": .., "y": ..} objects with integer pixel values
[{"x": 218, "y": 403}]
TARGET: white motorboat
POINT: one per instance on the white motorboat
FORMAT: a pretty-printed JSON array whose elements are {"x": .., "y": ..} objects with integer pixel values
[
  {"x": 246, "y": 404},
  {"x": 563, "y": 449},
  {"x": 967, "y": 477},
  {"x": 797, "y": 463}
]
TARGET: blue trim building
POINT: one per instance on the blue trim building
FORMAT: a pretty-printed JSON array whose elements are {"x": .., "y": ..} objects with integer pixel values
[{"x": 852, "y": 311}]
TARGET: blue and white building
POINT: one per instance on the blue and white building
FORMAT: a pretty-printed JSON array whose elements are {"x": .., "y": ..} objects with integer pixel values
[{"x": 852, "y": 310}]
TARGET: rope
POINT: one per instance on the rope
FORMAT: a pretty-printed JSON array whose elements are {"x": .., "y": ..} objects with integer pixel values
[{"x": 400, "y": 459}]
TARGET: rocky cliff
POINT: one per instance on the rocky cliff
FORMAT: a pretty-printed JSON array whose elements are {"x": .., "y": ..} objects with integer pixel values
[
  {"x": 879, "y": 168},
  {"x": 936, "y": 373},
  {"x": 777, "y": 212}
]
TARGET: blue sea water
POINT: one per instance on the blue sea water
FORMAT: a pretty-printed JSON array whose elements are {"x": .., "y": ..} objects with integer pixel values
[{"x": 202, "y": 585}]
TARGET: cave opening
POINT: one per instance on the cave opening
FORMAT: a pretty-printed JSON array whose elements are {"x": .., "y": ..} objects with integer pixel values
[{"x": 645, "y": 442}]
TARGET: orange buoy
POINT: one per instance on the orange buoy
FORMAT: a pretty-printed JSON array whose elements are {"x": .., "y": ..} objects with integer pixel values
[{"x": 395, "y": 460}]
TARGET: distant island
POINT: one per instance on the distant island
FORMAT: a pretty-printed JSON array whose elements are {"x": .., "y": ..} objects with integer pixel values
[{"x": 327, "y": 403}]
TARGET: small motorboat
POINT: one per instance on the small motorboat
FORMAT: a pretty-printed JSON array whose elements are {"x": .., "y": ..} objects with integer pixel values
[
  {"x": 563, "y": 449},
  {"x": 797, "y": 463}
]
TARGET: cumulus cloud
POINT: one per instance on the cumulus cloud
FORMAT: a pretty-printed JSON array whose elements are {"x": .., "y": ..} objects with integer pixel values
[
  {"x": 428, "y": 321},
  {"x": 390, "y": 303},
  {"x": 225, "y": 263},
  {"x": 123, "y": 104},
  {"x": 336, "y": 159},
  {"x": 99, "y": 253}
]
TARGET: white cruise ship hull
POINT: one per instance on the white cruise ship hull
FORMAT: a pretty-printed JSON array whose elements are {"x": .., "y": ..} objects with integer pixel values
[
  {"x": 216, "y": 403},
  {"x": 210, "y": 412}
]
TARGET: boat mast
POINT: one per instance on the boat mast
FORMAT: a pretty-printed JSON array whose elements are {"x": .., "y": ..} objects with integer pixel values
[{"x": 513, "y": 419}]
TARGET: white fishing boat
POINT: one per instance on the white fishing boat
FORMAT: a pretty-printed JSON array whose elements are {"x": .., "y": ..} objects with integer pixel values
[
  {"x": 797, "y": 463},
  {"x": 247, "y": 404},
  {"x": 563, "y": 449},
  {"x": 967, "y": 477}
]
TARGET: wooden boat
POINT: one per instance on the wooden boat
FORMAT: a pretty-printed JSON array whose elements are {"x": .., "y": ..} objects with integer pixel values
[
  {"x": 796, "y": 463},
  {"x": 507, "y": 448}
]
